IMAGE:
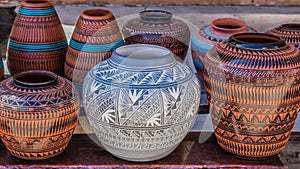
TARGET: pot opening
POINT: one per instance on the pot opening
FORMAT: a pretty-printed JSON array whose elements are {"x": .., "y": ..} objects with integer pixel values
[
  {"x": 96, "y": 12},
  {"x": 291, "y": 26},
  {"x": 35, "y": 2},
  {"x": 228, "y": 24},
  {"x": 35, "y": 78},
  {"x": 155, "y": 16},
  {"x": 256, "y": 41},
  {"x": 142, "y": 51}
]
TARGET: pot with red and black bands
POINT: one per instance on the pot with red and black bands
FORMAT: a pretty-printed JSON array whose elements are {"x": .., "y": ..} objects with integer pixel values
[
  {"x": 38, "y": 114},
  {"x": 290, "y": 33},
  {"x": 37, "y": 39},
  {"x": 253, "y": 85},
  {"x": 95, "y": 37}
]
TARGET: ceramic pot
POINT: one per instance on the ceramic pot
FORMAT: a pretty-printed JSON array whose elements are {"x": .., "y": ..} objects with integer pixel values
[
  {"x": 158, "y": 28},
  {"x": 37, "y": 39},
  {"x": 95, "y": 36},
  {"x": 220, "y": 29},
  {"x": 290, "y": 33},
  {"x": 38, "y": 114},
  {"x": 252, "y": 82},
  {"x": 141, "y": 102}
]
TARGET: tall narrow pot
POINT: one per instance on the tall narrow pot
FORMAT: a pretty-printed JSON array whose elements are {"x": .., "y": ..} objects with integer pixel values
[
  {"x": 95, "y": 37},
  {"x": 37, "y": 39},
  {"x": 290, "y": 33},
  {"x": 38, "y": 114},
  {"x": 253, "y": 86}
]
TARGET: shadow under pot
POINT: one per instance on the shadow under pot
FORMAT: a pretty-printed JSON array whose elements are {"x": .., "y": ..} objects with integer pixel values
[
  {"x": 141, "y": 102},
  {"x": 158, "y": 28},
  {"x": 290, "y": 33},
  {"x": 253, "y": 85},
  {"x": 37, "y": 40},
  {"x": 95, "y": 37},
  {"x": 38, "y": 114}
]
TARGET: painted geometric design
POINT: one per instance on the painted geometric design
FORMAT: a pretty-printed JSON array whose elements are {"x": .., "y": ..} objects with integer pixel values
[
  {"x": 253, "y": 97},
  {"x": 141, "y": 110}
]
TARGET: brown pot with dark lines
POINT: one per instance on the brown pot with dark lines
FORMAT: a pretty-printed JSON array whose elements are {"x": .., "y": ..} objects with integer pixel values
[
  {"x": 37, "y": 39},
  {"x": 95, "y": 37},
  {"x": 253, "y": 86},
  {"x": 38, "y": 114}
]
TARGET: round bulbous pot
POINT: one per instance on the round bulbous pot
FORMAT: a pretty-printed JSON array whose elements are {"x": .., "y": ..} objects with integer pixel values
[
  {"x": 141, "y": 102},
  {"x": 290, "y": 33},
  {"x": 37, "y": 40},
  {"x": 252, "y": 82},
  {"x": 95, "y": 37},
  {"x": 206, "y": 37},
  {"x": 158, "y": 27},
  {"x": 38, "y": 114}
]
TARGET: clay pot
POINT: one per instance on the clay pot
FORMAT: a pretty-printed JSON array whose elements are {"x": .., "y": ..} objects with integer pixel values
[
  {"x": 253, "y": 85},
  {"x": 210, "y": 35},
  {"x": 37, "y": 39},
  {"x": 158, "y": 28},
  {"x": 38, "y": 114},
  {"x": 290, "y": 33},
  {"x": 95, "y": 37},
  {"x": 141, "y": 102}
]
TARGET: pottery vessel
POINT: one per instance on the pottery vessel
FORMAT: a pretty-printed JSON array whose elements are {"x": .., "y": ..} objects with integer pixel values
[
  {"x": 158, "y": 28},
  {"x": 220, "y": 29},
  {"x": 38, "y": 114},
  {"x": 37, "y": 39},
  {"x": 95, "y": 37},
  {"x": 141, "y": 102},
  {"x": 290, "y": 33},
  {"x": 252, "y": 82}
]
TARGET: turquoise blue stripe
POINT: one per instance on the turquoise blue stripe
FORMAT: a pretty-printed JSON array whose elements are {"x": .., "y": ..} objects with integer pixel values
[
  {"x": 1, "y": 63},
  {"x": 201, "y": 46},
  {"x": 37, "y": 47},
  {"x": 85, "y": 47},
  {"x": 39, "y": 12}
]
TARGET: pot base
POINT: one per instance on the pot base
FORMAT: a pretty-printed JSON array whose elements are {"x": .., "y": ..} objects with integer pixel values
[{"x": 140, "y": 156}]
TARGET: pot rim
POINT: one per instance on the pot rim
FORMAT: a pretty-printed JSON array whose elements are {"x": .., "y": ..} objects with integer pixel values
[
  {"x": 36, "y": 4},
  {"x": 53, "y": 78},
  {"x": 96, "y": 14},
  {"x": 155, "y": 16},
  {"x": 290, "y": 27},
  {"x": 239, "y": 24}
]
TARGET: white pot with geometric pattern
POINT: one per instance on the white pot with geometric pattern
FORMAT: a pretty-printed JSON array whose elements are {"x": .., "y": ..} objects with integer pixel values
[{"x": 141, "y": 102}]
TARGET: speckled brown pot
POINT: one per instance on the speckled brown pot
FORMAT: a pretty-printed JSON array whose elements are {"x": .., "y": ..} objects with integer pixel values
[
  {"x": 253, "y": 86},
  {"x": 95, "y": 37},
  {"x": 38, "y": 114},
  {"x": 290, "y": 33},
  {"x": 158, "y": 28},
  {"x": 37, "y": 39}
]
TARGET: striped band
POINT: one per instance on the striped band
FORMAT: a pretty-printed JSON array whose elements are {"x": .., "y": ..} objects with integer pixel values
[
  {"x": 39, "y": 12},
  {"x": 37, "y": 47},
  {"x": 95, "y": 47}
]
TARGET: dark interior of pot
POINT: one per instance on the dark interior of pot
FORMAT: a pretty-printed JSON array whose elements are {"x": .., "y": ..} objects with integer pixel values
[
  {"x": 35, "y": 79},
  {"x": 291, "y": 26},
  {"x": 96, "y": 12},
  {"x": 256, "y": 41},
  {"x": 35, "y": 2}
]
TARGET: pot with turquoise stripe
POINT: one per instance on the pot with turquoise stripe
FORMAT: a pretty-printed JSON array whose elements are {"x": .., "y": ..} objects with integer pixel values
[
  {"x": 210, "y": 35},
  {"x": 95, "y": 37},
  {"x": 37, "y": 39}
]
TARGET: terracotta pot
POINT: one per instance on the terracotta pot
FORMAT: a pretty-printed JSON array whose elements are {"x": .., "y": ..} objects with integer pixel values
[
  {"x": 38, "y": 114},
  {"x": 158, "y": 28},
  {"x": 290, "y": 33},
  {"x": 141, "y": 102},
  {"x": 253, "y": 87},
  {"x": 37, "y": 39},
  {"x": 210, "y": 35},
  {"x": 95, "y": 36}
]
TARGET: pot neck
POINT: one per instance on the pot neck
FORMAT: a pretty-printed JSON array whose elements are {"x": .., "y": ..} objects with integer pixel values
[
  {"x": 35, "y": 79},
  {"x": 36, "y": 4},
  {"x": 155, "y": 17},
  {"x": 256, "y": 41},
  {"x": 143, "y": 56},
  {"x": 97, "y": 14},
  {"x": 228, "y": 26}
]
